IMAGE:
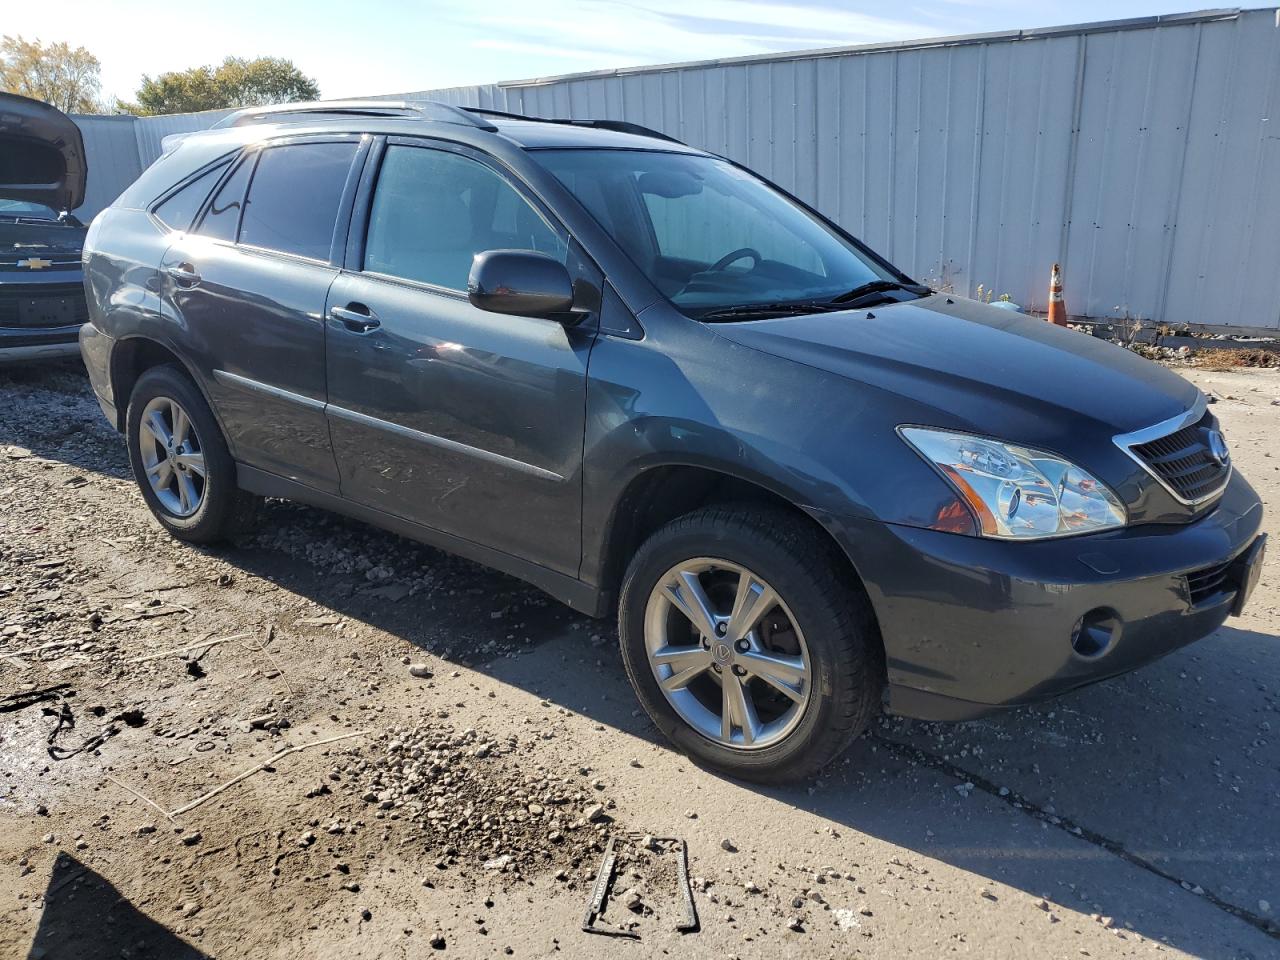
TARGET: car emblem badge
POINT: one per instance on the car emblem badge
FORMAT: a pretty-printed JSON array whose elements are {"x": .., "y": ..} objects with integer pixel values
[
  {"x": 1218, "y": 448},
  {"x": 722, "y": 653},
  {"x": 35, "y": 263}
]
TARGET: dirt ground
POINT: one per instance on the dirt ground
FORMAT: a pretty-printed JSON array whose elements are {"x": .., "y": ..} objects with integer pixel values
[{"x": 491, "y": 745}]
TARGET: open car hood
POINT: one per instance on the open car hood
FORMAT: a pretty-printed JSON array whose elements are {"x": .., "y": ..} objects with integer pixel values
[{"x": 41, "y": 154}]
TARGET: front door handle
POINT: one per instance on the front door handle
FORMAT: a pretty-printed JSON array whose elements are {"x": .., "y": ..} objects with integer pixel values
[
  {"x": 185, "y": 274},
  {"x": 356, "y": 317}
]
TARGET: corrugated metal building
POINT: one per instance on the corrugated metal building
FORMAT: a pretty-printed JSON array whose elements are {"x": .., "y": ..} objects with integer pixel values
[
  {"x": 1141, "y": 154},
  {"x": 114, "y": 161}
]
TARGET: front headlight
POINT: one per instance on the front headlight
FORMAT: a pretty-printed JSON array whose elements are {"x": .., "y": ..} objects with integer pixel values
[{"x": 1015, "y": 492}]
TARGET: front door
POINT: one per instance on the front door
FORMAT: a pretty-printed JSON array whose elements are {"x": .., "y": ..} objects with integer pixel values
[
  {"x": 465, "y": 421},
  {"x": 249, "y": 286}
]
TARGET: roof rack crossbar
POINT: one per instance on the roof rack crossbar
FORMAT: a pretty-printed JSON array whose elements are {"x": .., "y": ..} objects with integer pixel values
[{"x": 618, "y": 126}]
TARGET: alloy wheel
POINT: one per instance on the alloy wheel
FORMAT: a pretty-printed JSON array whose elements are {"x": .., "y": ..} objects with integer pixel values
[
  {"x": 172, "y": 456},
  {"x": 727, "y": 653}
]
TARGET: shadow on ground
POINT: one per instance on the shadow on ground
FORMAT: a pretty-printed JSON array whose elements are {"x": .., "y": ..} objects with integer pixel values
[{"x": 85, "y": 917}]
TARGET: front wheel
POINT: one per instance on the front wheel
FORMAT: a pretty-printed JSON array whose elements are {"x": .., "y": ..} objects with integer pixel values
[{"x": 747, "y": 643}]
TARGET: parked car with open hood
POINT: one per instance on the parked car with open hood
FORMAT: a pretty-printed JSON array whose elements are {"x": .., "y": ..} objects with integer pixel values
[
  {"x": 651, "y": 382},
  {"x": 42, "y": 178}
]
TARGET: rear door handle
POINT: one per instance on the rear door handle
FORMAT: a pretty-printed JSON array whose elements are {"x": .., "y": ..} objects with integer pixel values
[
  {"x": 185, "y": 274},
  {"x": 356, "y": 317}
]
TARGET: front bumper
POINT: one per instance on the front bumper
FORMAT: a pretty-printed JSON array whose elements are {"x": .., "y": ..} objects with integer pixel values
[
  {"x": 27, "y": 337},
  {"x": 972, "y": 624},
  {"x": 15, "y": 352}
]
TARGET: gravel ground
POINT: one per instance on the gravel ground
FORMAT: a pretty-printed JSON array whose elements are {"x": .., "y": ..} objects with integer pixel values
[{"x": 430, "y": 757}]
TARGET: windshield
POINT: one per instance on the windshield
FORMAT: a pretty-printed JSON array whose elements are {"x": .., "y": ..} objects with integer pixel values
[
  {"x": 24, "y": 208},
  {"x": 711, "y": 236}
]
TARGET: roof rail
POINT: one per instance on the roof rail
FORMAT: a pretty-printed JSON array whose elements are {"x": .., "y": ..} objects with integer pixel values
[
  {"x": 619, "y": 126},
  {"x": 298, "y": 112}
]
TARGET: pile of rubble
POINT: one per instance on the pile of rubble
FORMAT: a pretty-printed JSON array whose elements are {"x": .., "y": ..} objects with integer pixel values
[
  {"x": 1213, "y": 358},
  {"x": 480, "y": 802}
]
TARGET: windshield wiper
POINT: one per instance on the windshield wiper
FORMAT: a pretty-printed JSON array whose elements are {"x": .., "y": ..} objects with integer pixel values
[
  {"x": 876, "y": 288},
  {"x": 759, "y": 310}
]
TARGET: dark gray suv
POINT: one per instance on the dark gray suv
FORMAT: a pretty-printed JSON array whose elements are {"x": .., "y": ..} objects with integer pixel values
[{"x": 645, "y": 379}]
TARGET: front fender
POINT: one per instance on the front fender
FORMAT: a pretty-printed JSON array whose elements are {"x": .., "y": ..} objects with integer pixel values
[{"x": 691, "y": 398}]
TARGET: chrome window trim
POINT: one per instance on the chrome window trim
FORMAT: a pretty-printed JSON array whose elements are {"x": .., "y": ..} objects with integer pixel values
[{"x": 1127, "y": 441}]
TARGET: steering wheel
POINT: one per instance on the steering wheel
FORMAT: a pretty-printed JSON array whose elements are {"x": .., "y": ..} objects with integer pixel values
[{"x": 739, "y": 254}]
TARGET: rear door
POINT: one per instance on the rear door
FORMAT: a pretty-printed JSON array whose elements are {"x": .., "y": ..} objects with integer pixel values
[
  {"x": 248, "y": 284},
  {"x": 466, "y": 421}
]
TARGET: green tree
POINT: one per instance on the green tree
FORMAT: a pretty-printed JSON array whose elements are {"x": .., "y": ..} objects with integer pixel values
[
  {"x": 235, "y": 82},
  {"x": 54, "y": 73}
]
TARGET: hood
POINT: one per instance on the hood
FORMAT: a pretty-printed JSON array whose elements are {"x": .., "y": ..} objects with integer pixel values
[
  {"x": 41, "y": 154},
  {"x": 980, "y": 368},
  {"x": 41, "y": 239}
]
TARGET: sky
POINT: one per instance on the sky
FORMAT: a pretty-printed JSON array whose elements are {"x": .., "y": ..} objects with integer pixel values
[{"x": 399, "y": 46}]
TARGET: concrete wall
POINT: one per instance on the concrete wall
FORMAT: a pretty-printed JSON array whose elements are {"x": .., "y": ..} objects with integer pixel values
[{"x": 1144, "y": 155}]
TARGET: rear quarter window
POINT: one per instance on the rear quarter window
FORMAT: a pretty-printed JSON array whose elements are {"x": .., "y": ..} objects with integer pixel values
[
  {"x": 178, "y": 210},
  {"x": 175, "y": 166},
  {"x": 222, "y": 218}
]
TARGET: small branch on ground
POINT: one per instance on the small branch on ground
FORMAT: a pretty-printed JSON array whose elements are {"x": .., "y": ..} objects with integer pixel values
[
  {"x": 144, "y": 798},
  {"x": 184, "y": 649},
  {"x": 244, "y": 775}
]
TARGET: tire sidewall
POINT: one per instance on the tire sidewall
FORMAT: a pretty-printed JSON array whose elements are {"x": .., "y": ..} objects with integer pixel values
[
  {"x": 220, "y": 486},
  {"x": 832, "y": 678}
]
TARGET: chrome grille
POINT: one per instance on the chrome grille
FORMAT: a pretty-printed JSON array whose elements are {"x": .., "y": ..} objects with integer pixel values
[{"x": 1186, "y": 454}]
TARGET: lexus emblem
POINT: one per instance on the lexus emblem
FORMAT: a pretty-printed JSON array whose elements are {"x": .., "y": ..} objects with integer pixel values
[
  {"x": 1218, "y": 448},
  {"x": 35, "y": 263}
]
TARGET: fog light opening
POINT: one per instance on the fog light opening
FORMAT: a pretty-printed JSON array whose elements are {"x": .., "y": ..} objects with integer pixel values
[{"x": 1095, "y": 633}]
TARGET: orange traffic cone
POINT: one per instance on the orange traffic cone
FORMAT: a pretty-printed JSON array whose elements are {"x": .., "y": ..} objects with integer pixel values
[{"x": 1057, "y": 309}]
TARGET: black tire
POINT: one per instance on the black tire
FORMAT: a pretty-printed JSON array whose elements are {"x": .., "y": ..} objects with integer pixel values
[
  {"x": 802, "y": 566},
  {"x": 225, "y": 509}
]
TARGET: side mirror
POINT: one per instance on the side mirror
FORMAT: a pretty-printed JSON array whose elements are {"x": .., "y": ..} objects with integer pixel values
[{"x": 520, "y": 282}]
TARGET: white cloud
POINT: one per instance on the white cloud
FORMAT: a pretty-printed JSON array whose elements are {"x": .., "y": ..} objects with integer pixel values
[{"x": 656, "y": 31}]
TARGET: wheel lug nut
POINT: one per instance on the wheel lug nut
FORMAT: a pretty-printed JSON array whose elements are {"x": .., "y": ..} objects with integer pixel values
[
  {"x": 738, "y": 671},
  {"x": 721, "y": 629},
  {"x": 716, "y": 667},
  {"x": 742, "y": 645}
]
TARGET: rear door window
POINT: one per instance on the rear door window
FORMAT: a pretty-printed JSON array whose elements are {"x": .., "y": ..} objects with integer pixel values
[
  {"x": 180, "y": 208},
  {"x": 294, "y": 197},
  {"x": 223, "y": 216},
  {"x": 434, "y": 210}
]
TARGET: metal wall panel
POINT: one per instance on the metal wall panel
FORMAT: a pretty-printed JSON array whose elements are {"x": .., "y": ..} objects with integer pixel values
[
  {"x": 1143, "y": 155},
  {"x": 112, "y": 153},
  {"x": 151, "y": 131}
]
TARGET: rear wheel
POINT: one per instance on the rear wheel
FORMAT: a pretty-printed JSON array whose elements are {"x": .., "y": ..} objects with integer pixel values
[
  {"x": 181, "y": 461},
  {"x": 747, "y": 644}
]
